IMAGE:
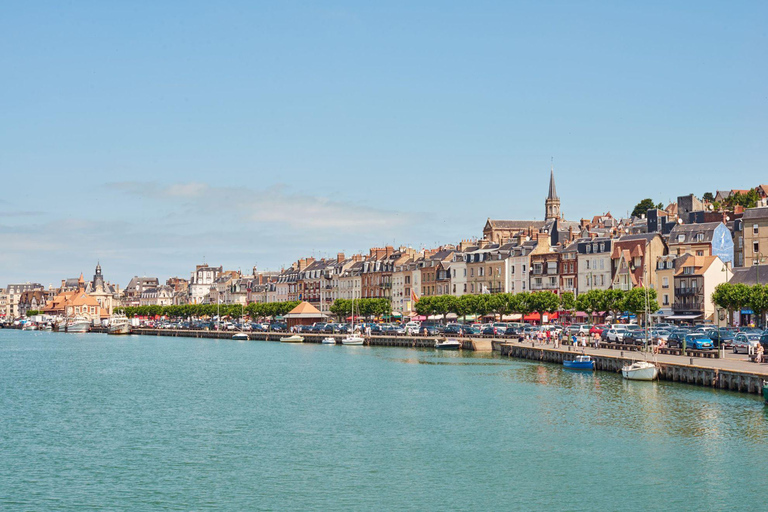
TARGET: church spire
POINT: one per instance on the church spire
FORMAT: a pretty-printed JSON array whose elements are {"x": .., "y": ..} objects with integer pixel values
[{"x": 552, "y": 190}]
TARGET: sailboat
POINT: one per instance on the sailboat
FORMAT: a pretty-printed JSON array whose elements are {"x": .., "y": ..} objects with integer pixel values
[
  {"x": 353, "y": 338},
  {"x": 642, "y": 370},
  {"x": 241, "y": 336}
]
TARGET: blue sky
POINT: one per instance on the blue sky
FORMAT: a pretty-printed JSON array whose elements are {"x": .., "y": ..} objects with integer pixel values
[{"x": 149, "y": 135}]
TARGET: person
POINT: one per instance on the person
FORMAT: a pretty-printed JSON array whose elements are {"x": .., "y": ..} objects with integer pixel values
[
  {"x": 574, "y": 341},
  {"x": 549, "y": 336},
  {"x": 759, "y": 353}
]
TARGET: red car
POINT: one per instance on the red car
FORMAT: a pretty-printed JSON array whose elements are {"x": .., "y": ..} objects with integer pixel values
[{"x": 597, "y": 329}]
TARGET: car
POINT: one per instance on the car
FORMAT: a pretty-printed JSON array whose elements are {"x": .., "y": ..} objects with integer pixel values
[
  {"x": 471, "y": 330},
  {"x": 745, "y": 342},
  {"x": 492, "y": 331},
  {"x": 454, "y": 330},
  {"x": 698, "y": 341},
  {"x": 513, "y": 332},
  {"x": 721, "y": 337},
  {"x": 660, "y": 335},
  {"x": 764, "y": 340},
  {"x": 597, "y": 329},
  {"x": 278, "y": 326},
  {"x": 636, "y": 337},
  {"x": 615, "y": 334}
]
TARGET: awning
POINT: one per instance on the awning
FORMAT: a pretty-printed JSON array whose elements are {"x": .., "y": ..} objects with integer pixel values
[
  {"x": 396, "y": 314},
  {"x": 512, "y": 318},
  {"x": 580, "y": 314},
  {"x": 683, "y": 317},
  {"x": 419, "y": 318},
  {"x": 535, "y": 317}
]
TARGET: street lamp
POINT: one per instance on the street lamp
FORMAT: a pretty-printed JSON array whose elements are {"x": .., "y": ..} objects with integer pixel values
[
  {"x": 720, "y": 318},
  {"x": 759, "y": 258}
]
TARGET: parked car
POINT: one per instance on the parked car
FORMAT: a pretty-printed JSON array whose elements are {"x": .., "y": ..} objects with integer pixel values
[
  {"x": 453, "y": 330},
  {"x": 278, "y": 326},
  {"x": 615, "y": 334},
  {"x": 492, "y": 331},
  {"x": 513, "y": 332},
  {"x": 597, "y": 329},
  {"x": 660, "y": 335},
  {"x": 721, "y": 337},
  {"x": 636, "y": 337},
  {"x": 471, "y": 330},
  {"x": 745, "y": 342},
  {"x": 698, "y": 341}
]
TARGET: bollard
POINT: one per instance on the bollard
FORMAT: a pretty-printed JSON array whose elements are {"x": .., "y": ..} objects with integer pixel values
[
  {"x": 622, "y": 353},
  {"x": 691, "y": 361}
]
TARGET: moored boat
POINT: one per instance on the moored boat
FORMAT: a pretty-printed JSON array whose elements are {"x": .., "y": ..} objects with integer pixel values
[
  {"x": 29, "y": 326},
  {"x": 329, "y": 341},
  {"x": 240, "y": 336},
  {"x": 642, "y": 370},
  {"x": 353, "y": 339},
  {"x": 292, "y": 339},
  {"x": 78, "y": 324},
  {"x": 580, "y": 363},
  {"x": 448, "y": 344},
  {"x": 119, "y": 324}
]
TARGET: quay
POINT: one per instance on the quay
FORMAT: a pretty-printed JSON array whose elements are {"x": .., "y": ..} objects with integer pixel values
[{"x": 701, "y": 368}]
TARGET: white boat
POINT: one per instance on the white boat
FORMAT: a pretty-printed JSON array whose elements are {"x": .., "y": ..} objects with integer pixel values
[
  {"x": 119, "y": 324},
  {"x": 47, "y": 327},
  {"x": 29, "y": 326},
  {"x": 241, "y": 336},
  {"x": 448, "y": 344},
  {"x": 640, "y": 370},
  {"x": 329, "y": 341},
  {"x": 353, "y": 339},
  {"x": 78, "y": 324},
  {"x": 292, "y": 339}
]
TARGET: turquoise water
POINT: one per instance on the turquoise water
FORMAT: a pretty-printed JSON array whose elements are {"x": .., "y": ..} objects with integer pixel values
[{"x": 91, "y": 422}]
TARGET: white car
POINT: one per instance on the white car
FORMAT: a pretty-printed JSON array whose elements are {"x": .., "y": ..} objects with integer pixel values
[
  {"x": 745, "y": 342},
  {"x": 616, "y": 334}
]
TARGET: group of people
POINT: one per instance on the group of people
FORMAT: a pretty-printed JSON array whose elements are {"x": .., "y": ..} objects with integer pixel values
[{"x": 558, "y": 338}]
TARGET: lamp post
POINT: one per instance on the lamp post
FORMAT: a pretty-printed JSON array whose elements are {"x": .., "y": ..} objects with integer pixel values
[{"x": 720, "y": 318}]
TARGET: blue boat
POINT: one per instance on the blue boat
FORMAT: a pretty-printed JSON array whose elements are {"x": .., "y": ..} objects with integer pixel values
[{"x": 580, "y": 363}]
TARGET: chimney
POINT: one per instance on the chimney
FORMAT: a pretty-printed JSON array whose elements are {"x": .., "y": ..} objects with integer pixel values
[
  {"x": 482, "y": 243},
  {"x": 340, "y": 257}
]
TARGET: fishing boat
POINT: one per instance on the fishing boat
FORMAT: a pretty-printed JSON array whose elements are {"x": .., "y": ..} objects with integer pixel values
[
  {"x": 240, "y": 336},
  {"x": 78, "y": 324},
  {"x": 329, "y": 341},
  {"x": 292, "y": 339},
  {"x": 448, "y": 344},
  {"x": 580, "y": 363},
  {"x": 119, "y": 324},
  {"x": 640, "y": 370}
]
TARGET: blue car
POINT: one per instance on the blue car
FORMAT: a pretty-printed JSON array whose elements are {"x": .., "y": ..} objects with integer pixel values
[{"x": 698, "y": 341}]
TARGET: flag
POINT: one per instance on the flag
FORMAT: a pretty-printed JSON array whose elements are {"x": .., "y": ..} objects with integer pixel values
[{"x": 414, "y": 297}]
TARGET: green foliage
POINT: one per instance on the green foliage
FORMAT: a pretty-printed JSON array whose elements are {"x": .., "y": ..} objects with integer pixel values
[
  {"x": 33, "y": 312},
  {"x": 342, "y": 308},
  {"x": 567, "y": 301},
  {"x": 748, "y": 200},
  {"x": 643, "y": 206},
  {"x": 636, "y": 300},
  {"x": 708, "y": 196}
]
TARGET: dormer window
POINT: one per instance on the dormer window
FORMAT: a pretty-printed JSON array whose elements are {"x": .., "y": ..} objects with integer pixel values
[
  {"x": 700, "y": 237},
  {"x": 680, "y": 239}
]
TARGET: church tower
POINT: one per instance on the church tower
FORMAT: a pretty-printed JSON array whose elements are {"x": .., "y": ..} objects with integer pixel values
[
  {"x": 552, "y": 203},
  {"x": 98, "y": 279}
]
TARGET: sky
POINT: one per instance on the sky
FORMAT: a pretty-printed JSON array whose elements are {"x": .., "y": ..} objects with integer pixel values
[{"x": 154, "y": 136}]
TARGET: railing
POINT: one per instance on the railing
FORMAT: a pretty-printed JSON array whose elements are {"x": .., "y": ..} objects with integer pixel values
[
  {"x": 696, "y": 305},
  {"x": 687, "y": 291}
]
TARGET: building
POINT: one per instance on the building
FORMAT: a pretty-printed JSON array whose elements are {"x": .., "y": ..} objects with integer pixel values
[
  {"x": 200, "y": 283},
  {"x": 633, "y": 260},
  {"x": 31, "y": 300},
  {"x": 695, "y": 280},
  {"x": 14, "y": 292},
  {"x": 755, "y": 237},
  {"x": 519, "y": 263},
  {"x": 132, "y": 292},
  {"x": 593, "y": 260},
  {"x": 665, "y": 281},
  {"x": 105, "y": 293},
  {"x": 705, "y": 239}
]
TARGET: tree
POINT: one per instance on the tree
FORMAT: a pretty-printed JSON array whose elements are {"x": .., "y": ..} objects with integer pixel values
[
  {"x": 636, "y": 300},
  {"x": 758, "y": 302},
  {"x": 612, "y": 300},
  {"x": 722, "y": 297},
  {"x": 544, "y": 302},
  {"x": 567, "y": 301},
  {"x": 468, "y": 305},
  {"x": 643, "y": 206},
  {"x": 708, "y": 196},
  {"x": 33, "y": 312}
]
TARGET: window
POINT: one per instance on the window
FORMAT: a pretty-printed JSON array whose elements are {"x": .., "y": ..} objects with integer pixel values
[
  {"x": 755, "y": 229},
  {"x": 756, "y": 248},
  {"x": 700, "y": 237},
  {"x": 523, "y": 268},
  {"x": 665, "y": 282},
  {"x": 513, "y": 270},
  {"x": 602, "y": 247},
  {"x": 523, "y": 285},
  {"x": 587, "y": 262},
  {"x": 699, "y": 253},
  {"x": 481, "y": 271},
  {"x": 454, "y": 274},
  {"x": 472, "y": 288},
  {"x": 666, "y": 300},
  {"x": 513, "y": 286},
  {"x": 552, "y": 282},
  {"x": 472, "y": 273},
  {"x": 680, "y": 239},
  {"x": 465, "y": 287},
  {"x": 588, "y": 248}
]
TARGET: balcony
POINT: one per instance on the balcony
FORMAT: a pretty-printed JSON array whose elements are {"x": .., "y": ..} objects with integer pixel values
[
  {"x": 687, "y": 291},
  {"x": 692, "y": 305}
]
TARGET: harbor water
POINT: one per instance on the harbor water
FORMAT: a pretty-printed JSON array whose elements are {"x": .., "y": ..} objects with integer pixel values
[{"x": 95, "y": 422}]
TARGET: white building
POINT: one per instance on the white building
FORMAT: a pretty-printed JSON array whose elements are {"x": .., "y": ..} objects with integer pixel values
[
  {"x": 594, "y": 264},
  {"x": 201, "y": 281}
]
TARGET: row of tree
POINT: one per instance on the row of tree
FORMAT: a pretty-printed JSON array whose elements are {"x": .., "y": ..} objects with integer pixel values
[
  {"x": 615, "y": 301},
  {"x": 253, "y": 310},
  {"x": 362, "y": 307},
  {"x": 735, "y": 297}
]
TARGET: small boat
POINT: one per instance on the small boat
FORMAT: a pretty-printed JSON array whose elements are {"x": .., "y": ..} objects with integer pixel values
[
  {"x": 641, "y": 370},
  {"x": 353, "y": 339},
  {"x": 329, "y": 341},
  {"x": 47, "y": 327},
  {"x": 580, "y": 363},
  {"x": 241, "y": 336},
  {"x": 292, "y": 339},
  {"x": 29, "y": 326},
  {"x": 448, "y": 344}
]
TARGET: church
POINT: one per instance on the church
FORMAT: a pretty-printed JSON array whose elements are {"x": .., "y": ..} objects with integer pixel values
[{"x": 559, "y": 230}]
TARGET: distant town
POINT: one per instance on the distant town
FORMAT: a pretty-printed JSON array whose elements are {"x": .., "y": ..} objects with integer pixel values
[{"x": 682, "y": 251}]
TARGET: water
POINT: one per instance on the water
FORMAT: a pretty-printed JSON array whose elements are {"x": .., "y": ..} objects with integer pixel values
[{"x": 91, "y": 422}]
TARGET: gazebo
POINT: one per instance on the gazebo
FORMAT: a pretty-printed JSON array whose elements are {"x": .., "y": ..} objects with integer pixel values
[{"x": 304, "y": 314}]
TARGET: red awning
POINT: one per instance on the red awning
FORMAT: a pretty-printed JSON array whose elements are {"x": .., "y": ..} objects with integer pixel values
[
  {"x": 419, "y": 318},
  {"x": 535, "y": 317}
]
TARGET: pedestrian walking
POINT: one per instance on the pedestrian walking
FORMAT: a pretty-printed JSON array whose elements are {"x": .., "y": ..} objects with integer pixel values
[{"x": 759, "y": 354}]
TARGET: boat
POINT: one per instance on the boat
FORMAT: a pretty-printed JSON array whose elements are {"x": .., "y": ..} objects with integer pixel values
[
  {"x": 353, "y": 338},
  {"x": 78, "y": 324},
  {"x": 580, "y": 363},
  {"x": 329, "y": 341},
  {"x": 292, "y": 339},
  {"x": 29, "y": 326},
  {"x": 640, "y": 370},
  {"x": 119, "y": 324},
  {"x": 240, "y": 336},
  {"x": 47, "y": 327},
  {"x": 448, "y": 344}
]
